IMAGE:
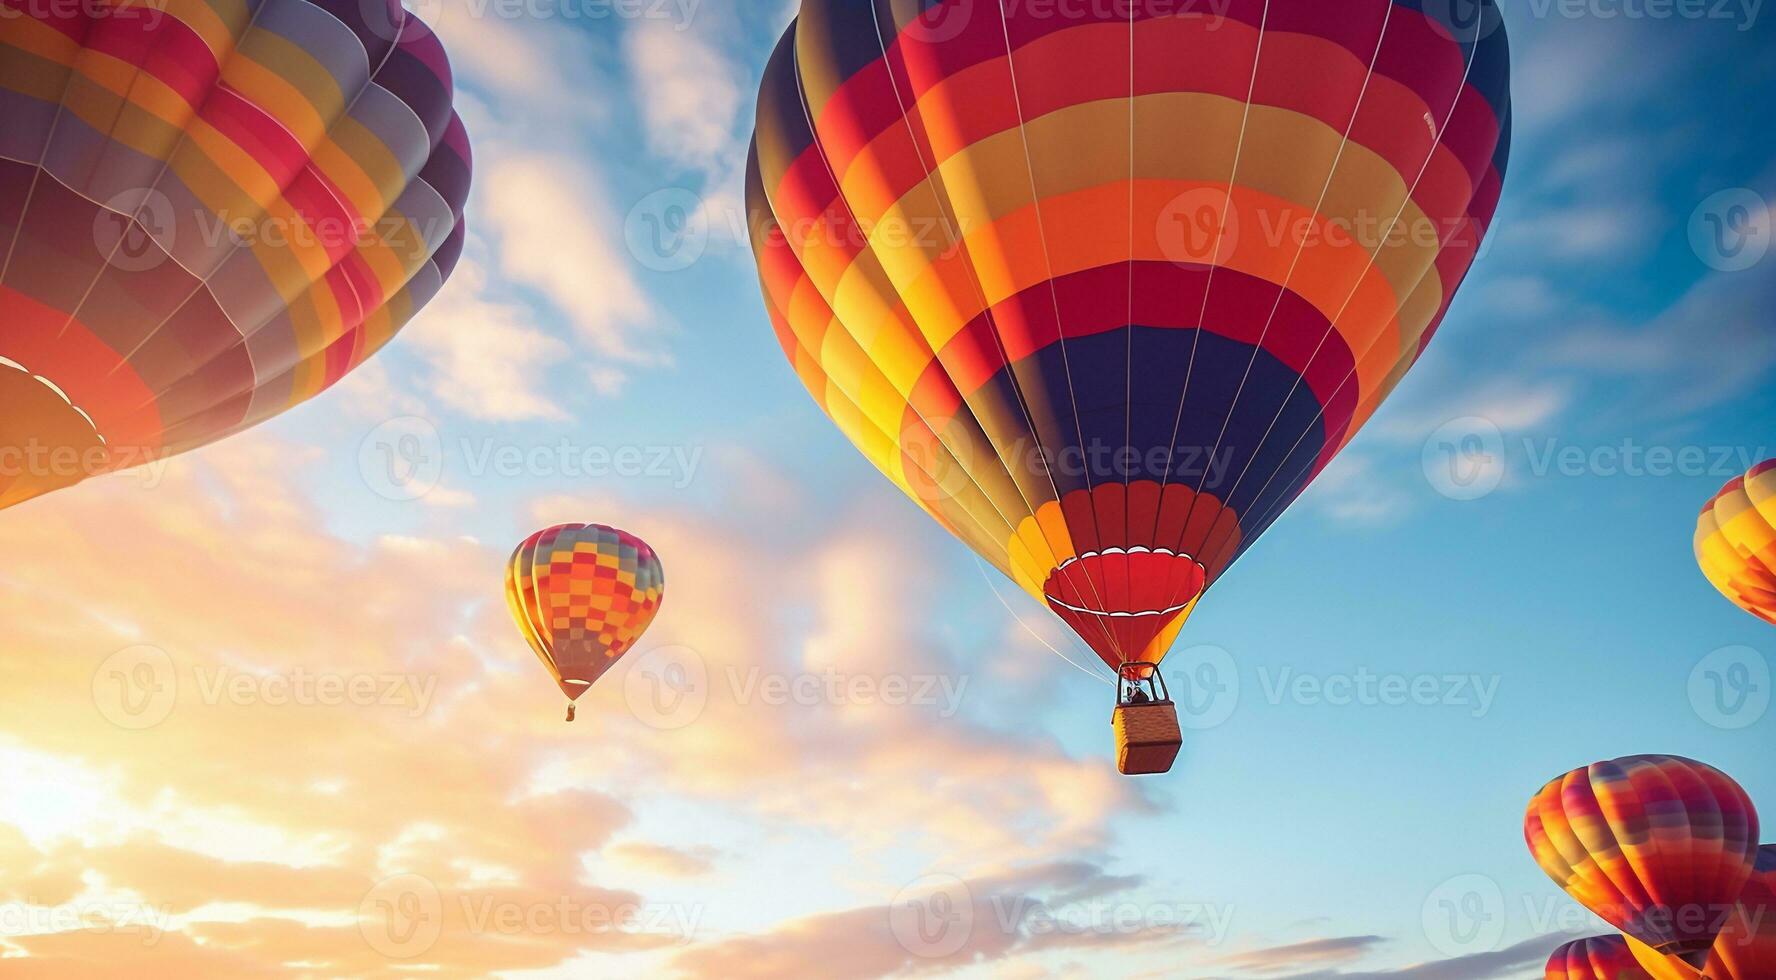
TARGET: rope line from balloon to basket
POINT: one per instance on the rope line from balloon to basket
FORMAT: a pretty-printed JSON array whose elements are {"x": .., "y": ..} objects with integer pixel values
[
  {"x": 1276, "y": 508},
  {"x": 949, "y": 225},
  {"x": 1054, "y": 295},
  {"x": 1038, "y": 637}
]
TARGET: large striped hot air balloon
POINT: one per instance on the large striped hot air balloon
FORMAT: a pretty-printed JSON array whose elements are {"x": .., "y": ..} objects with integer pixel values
[
  {"x": 1659, "y": 847},
  {"x": 1746, "y": 948},
  {"x": 582, "y": 594},
  {"x": 1104, "y": 287},
  {"x": 1597, "y": 958},
  {"x": 1736, "y": 541},
  {"x": 210, "y": 211}
]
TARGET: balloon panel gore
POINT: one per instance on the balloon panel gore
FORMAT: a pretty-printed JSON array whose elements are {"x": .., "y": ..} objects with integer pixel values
[
  {"x": 1121, "y": 602},
  {"x": 45, "y": 441}
]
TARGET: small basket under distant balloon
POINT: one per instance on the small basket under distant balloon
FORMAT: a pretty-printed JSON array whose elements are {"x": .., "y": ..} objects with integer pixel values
[{"x": 1148, "y": 737}]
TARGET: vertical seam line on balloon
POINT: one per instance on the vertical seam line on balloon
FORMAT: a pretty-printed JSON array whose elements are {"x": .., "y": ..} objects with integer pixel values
[
  {"x": 310, "y": 287},
  {"x": 55, "y": 124},
  {"x": 1094, "y": 675},
  {"x": 1060, "y": 325},
  {"x": 1275, "y": 511},
  {"x": 153, "y": 187},
  {"x": 820, "y": 150},
  {"x": 1128, "y": 362},
  {"x": 1226, "y": 494},
  {"x": 952, "y": 227},
  {"x": 1212, "y": 262}
]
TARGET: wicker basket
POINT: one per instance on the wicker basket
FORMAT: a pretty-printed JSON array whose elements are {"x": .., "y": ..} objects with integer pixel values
[{"x": 1147, "y": 738}]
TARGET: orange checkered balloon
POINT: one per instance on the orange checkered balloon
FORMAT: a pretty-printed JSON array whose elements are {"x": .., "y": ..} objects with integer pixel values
[{"x": 582, "y": 594}]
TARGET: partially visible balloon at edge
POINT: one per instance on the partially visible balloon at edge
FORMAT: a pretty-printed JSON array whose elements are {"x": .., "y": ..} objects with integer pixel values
[
  {"x": 1736, "y": 541},
  {"x": 1746, "y": 948},
  {"x": 1660, "y": 847},
  {"x": 1597, "y": 958},
  {"x": 216, "y": 211}
]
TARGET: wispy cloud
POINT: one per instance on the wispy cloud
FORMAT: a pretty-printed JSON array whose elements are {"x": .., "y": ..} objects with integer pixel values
[
  {"x": 431, "y": 746},
  {"x": 1713, "y": 345},
  {"x": 1507, "y": 962}
]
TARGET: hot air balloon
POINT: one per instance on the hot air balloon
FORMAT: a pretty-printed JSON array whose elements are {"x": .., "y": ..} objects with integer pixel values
[
  {"x": 210, "y": 212},
  {"x": 1598, "y": 958},
  {"x": 1658, "y": 846},
  {"x": 582, "y": 594},
  {"x": 1746, "y": 949},
  {"x": 1736, "y": 541},
  {"x": 1104, "y": 288}
]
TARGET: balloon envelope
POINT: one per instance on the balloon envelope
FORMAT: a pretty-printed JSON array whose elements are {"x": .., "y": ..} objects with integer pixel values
[
  {"x": 1658, "y": 846},
  {"x": 1598, "y": 958},
  {"x": 582, "y": 594},
  {"x": 1736, "y": 541},
  {"x": 1746, "y": 949},
  {"x": 210, "y": 212},
  {"x": 1104, "y": 287}
]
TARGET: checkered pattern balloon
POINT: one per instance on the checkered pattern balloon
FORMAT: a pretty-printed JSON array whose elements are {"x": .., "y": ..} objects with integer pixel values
[{"x": 582, "y": 594}]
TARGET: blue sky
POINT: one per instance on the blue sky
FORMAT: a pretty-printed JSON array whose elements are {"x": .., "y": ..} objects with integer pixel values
[
  {"x": 1556, "y": 619},
  {"x": 1591, "y": 324}
]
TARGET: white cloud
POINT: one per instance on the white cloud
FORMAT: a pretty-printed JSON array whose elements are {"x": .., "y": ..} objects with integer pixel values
[
  {"x": 1351, "y": 491},
  {"x": 529, "y": 62},
  {"x": 551, "y": 228},
  {"x": 1714, "y": 344},
  {"x": 486, "y": 361},
  {"x": 1581, "y": 231},
  {"x": 544, "y": 286},
  {"x": 690, "y": 94},
  {"x": 1512, "y": 404}
]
